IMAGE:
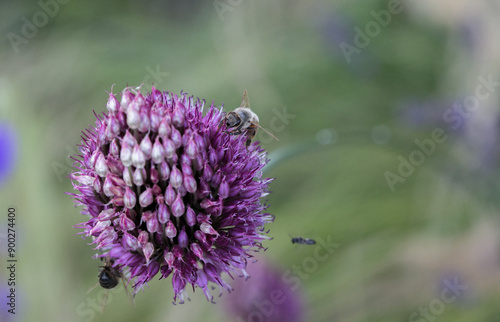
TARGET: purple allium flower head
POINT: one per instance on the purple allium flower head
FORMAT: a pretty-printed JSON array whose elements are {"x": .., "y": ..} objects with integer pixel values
[
  {"x": 168, "y": 192},
  {"x": 265, "y": 297}
]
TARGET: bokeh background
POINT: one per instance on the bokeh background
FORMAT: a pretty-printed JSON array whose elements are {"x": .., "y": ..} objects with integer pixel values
[{"x": 346, "y": 86}]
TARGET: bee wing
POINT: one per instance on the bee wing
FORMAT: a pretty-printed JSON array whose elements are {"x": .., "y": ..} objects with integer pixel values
[{"x": 246, "y": 101}]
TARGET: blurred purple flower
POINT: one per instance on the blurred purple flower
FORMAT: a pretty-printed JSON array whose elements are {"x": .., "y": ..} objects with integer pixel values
[
  {"x": 470, "y": 31},
  {"x": 420, "y": 113},
  {"x": 430, "y": 113},
  {"x": 10, "y": 301},
  {"x": 458, "y": 290},
  {"x": 338, "y": 33},
  {"x": 8, "y": 151},
  {"x": 265, "y": 297},
  {"x": 336, "y": 29},
  {"x": 168, "y": 191}
]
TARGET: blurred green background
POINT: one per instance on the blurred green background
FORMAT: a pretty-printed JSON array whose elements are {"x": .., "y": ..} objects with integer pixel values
[{"x": 346, "y": 86}]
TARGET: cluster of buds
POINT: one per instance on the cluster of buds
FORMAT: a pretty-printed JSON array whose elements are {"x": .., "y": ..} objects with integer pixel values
[{"x": 167, "y": 190}]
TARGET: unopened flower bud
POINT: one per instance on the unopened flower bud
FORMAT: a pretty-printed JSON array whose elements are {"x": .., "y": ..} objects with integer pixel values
[
  {"x": 146, "y": 198},
  {"x": 129, "y": 198},
  {"x": 170, "y": 230}
]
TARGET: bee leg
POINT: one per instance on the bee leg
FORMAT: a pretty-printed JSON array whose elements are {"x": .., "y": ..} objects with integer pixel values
[
  {"x": 250, "y": 135},
  {"x": 239, "y": 127},
  {"x": 235, "y": 132},
  {"x": 128, "y": 294}
]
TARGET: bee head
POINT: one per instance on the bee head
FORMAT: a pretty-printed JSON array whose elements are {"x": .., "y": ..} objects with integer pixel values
[{"x": 232, "y": 120}]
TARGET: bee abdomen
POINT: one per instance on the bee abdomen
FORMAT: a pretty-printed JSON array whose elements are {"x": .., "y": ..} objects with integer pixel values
[{"x": 107, "y": 280}]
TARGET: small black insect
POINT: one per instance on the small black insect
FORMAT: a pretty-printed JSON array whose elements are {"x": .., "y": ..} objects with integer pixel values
[
  {"x": 303, "y": 241},
  {"x": 109, "y": 276}
]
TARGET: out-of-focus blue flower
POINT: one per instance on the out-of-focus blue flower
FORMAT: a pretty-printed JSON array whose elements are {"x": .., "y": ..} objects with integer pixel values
[
  {"x": 339, "y": 34},
  {"x": 458, "y": 290},
  {"x": 8, "y": 151},
  {"x": 265, "y": 297},
  {"x": 469, "y": 32},
  {"x": 423, "y": 113},
  {"x": 5, "y": 305}
]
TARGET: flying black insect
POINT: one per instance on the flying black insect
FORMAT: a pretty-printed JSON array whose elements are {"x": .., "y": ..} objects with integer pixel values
[{"x": 303, "y": 241}]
